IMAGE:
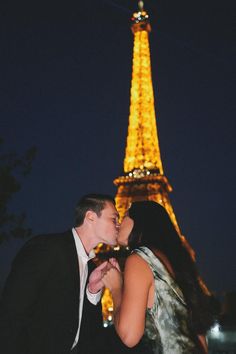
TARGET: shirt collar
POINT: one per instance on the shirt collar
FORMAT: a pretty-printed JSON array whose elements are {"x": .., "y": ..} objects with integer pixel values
[{"x": 80, "y": 248}]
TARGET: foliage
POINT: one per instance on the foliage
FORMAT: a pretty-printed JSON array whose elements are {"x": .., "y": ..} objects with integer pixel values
[{"x": 12, "y": 169}]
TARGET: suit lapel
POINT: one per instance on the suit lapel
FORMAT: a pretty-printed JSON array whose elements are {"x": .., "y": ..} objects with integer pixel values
[{"x": 73, "y": 263}]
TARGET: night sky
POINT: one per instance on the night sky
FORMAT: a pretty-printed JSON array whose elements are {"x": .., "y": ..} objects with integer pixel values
[{"x": 65, "y": 71}]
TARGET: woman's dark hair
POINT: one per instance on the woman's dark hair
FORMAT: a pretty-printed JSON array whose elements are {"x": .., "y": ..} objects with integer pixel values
[{"x": 153, "y": 228}]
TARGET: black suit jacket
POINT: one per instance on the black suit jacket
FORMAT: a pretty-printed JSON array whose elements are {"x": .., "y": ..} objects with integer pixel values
[{"x": 39, "y": 306}]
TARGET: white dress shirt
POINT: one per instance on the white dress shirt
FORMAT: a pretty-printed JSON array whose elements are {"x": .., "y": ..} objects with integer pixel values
[{"x": 83, "y": 259}]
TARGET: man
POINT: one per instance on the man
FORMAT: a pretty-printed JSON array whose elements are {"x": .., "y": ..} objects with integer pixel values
[{"x": 46, "y": 307}]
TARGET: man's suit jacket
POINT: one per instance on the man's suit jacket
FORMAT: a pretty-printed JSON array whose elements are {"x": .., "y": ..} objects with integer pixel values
[{"x": 39, "y": 306}]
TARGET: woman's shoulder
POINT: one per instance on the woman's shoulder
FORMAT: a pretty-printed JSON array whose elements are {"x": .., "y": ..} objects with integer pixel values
[
  {"x": 138, "y": 266},
  {"x": 135, "y": 258}
]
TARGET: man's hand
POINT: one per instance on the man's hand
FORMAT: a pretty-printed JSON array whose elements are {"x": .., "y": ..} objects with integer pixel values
[
  {"x": 95, "y": 279},
  {"x": 114, "y": 263}
]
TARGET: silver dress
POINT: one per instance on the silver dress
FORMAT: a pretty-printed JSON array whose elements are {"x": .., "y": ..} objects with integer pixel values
[{"x": 167, "y": 328}]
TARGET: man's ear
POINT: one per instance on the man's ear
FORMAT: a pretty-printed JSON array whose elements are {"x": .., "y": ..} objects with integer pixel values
[{"x": 90, "y": 216}]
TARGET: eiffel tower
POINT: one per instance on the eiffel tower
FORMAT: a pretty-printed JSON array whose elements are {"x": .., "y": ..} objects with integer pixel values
[{"x": 143, "y": 176}]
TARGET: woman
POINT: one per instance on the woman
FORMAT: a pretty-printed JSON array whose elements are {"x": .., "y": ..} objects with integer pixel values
[{"x": 160, "y": 296}]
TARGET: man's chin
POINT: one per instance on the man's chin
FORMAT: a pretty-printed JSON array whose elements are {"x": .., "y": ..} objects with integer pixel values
[
  {"x": 122, "y": 244},
  {"x": 111, "y": 243}
]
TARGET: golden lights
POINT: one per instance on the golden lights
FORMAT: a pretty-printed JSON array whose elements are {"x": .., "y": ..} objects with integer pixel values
[
  {"x": 107, "y": 308},
  {"x": 142, "y": 149}
]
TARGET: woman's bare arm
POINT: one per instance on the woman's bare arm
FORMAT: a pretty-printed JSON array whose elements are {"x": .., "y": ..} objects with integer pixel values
[{"x": 131, "y": 303}]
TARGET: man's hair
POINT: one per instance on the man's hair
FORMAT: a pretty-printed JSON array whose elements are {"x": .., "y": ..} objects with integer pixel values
[{"x": 93, "y": 202}]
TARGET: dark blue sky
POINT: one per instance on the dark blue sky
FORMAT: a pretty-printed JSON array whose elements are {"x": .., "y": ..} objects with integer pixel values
[{"x": 65, "y": 80}]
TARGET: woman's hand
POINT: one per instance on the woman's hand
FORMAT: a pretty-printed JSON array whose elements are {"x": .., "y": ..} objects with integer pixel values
[{"x": 113, "y": 279}]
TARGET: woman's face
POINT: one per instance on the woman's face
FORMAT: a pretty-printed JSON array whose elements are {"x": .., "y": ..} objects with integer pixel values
[{"x": 125, "y": 230}]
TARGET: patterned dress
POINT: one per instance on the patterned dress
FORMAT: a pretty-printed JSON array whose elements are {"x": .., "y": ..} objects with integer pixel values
[{"x": 166, "y": 330}]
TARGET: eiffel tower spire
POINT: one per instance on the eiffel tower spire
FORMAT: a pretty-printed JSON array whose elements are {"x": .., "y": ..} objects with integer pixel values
[{"x": 143, "y": 176}]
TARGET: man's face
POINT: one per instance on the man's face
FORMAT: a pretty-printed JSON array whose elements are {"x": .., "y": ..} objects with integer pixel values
[{"x": 107, "y": 225}]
